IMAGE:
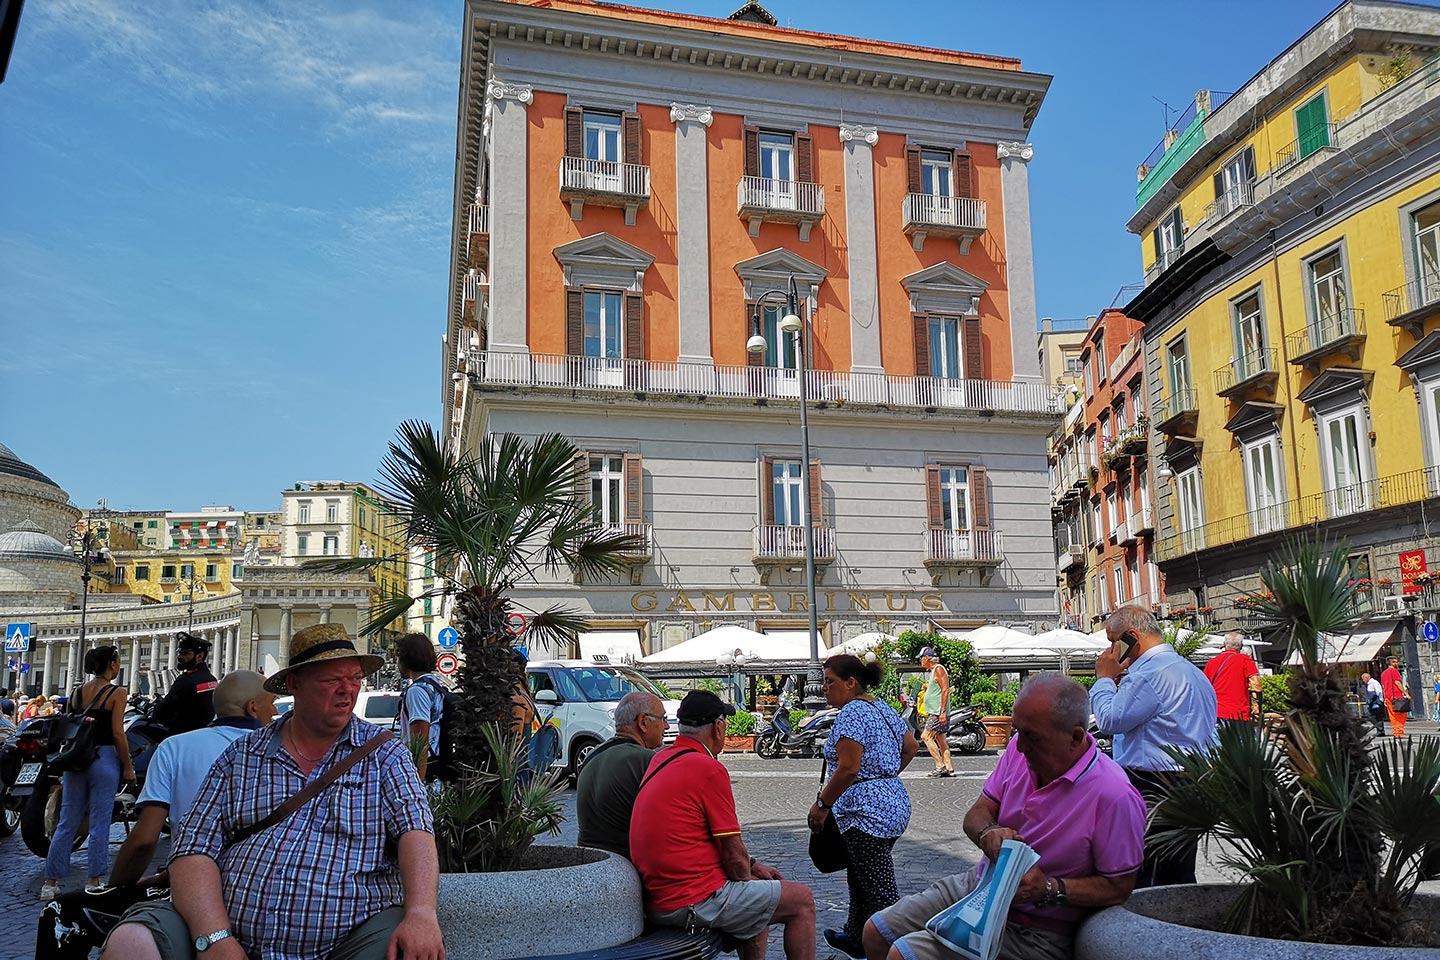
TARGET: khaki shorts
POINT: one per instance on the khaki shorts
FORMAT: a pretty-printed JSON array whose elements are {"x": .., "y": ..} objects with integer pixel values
[
  {"x": 368, "y": 941},
  {"x": 741, "y": 908},
  {"x": 903, "y": 926}
]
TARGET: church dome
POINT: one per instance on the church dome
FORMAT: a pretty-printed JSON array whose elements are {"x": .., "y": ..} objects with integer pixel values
[
  {"x": 15, "y": 467},
  {"x": 32, "y": 544}
]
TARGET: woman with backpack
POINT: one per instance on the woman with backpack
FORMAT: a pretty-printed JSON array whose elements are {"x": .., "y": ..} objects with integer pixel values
[{"x": 91, "y": 786}]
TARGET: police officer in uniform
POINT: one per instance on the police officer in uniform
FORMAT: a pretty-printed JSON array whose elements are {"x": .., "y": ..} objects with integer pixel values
[{"x": 190, "y": 704}]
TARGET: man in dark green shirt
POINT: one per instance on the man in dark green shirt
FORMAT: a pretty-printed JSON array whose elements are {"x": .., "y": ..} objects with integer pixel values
[{"x": 610, "y": 779}]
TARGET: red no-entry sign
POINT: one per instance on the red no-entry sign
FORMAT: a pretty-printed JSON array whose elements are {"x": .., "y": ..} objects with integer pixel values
[
  {"x": 515, "y": 623},
  {"x": 447, "y": 663}
]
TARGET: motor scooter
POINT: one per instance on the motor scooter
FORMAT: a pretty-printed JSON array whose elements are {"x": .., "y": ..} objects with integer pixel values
[
  {"x": 779, "y": 737},
  {"x": 965, "y": 734}
]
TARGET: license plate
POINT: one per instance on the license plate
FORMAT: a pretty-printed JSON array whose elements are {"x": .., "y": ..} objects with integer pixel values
[{"x": 28, "y": 775}]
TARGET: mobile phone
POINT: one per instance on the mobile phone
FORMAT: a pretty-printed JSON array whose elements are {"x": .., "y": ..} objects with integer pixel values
[{"x": 1130, "y": 640}]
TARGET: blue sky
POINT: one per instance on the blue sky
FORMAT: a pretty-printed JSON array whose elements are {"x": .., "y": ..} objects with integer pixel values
[{"x": 224, "y": 226}]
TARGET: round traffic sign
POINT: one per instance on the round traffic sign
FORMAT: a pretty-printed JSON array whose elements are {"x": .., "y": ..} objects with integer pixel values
[
  {"x": 447, "y": 663},
  {"x": 449, "y": 638},
  {"x": 1431, "y": 631},
  {"x": 515, "y": 623}
]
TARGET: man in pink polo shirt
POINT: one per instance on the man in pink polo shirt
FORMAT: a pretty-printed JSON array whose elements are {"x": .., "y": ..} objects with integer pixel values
[{"x": 1075, "y": 806}]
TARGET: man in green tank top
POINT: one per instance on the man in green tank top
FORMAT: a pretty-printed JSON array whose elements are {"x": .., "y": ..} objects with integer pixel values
[{"x": 935, "y": 705}]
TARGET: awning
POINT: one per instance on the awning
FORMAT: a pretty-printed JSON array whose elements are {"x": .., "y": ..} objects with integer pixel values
[
  {"x": 1359, "y": 647},
  {"x": 618, "y": 646}
]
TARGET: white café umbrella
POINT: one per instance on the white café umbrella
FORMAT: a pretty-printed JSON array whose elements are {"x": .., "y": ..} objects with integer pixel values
[
  {"x": 993, "y": 636},
  {"x": 863, "y": 644},
  {"x": 708, "y": 647}
]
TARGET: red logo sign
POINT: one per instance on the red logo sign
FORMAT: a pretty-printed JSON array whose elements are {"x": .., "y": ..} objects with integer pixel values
[{"x": 1412, "y": 565}]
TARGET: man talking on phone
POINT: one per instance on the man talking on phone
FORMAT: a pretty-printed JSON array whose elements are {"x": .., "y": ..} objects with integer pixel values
[{"x": 1164, "y": 701}]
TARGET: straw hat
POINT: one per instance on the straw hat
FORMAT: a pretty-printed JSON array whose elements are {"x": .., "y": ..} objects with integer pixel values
[{"x": 317, "y": 644}]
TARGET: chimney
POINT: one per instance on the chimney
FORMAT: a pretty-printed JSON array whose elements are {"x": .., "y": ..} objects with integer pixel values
[
  {"x": 1202, "y": 103},
  {"x": 1047, "y": 324}
]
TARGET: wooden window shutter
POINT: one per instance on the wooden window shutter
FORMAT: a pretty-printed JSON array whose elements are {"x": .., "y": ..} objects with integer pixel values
[
  {"x": 634, "y": 489},
  {"x": 1249, "y": 164},
  {"x": 1159, "y": 248},
  {"x": 1219, "y": 185},
  {"x": 934, "y": 509},
  {"x": 752, "y": 359},
  {"x": 817, "y": 500},
  {"x": 574, "y": 132},
  {"x": 752, "y": 151},
  {"x": 582, "y": 477},
  {"x": 974, "y": 349},
  {"x": 1179, "y": 231},
  {"x": 634, "y": 326},
  {"x": 964, "y": 180},
  {"x": 804, "y": 158},
  {"x": 767, "y": 492},
  {"x": 913, "y": 183},
  {"x": 630, "y": 133},
  {"x": 922, "y": 344},
  {"x": 575, "y": 323},
  {"x": 979, "y": 499}
]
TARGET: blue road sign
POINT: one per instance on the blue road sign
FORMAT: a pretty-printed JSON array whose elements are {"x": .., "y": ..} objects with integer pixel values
[
  {"x": 449, "y": 638},
  {"x": 17, "y": 637},
  {"x": 24, "y": 668},
  {"x": 1430, "y": 631}
]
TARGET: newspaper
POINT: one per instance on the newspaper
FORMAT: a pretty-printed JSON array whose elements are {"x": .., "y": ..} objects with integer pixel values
[{"x": 975, "y": 926}]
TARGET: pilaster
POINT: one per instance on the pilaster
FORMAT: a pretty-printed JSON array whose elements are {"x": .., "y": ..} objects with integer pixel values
[
  {"x": 1019, "y": 257},
  {"x": 858, "y": 139},
  {"x": 508, "y": 145},
  {"x": 692, "y": 229}
]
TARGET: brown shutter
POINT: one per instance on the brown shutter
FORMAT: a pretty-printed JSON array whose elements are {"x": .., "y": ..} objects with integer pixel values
[
  {"x": 575, "y": 323},
  {"x": 574, "y": 132},
  {"x": 634, "y": 326},
  {"x": 804, "y": 158},
  {"x": 964, "y": 182},
  {"x": 752, "y": 151},
  {"x": 1219, "y": 185},
  {"x": 912, "y": 170},
  {"x": 752, "y": 359},
  {"x": 634, "y": 489},
  {"x": 582, "y": 477},
  {"x": 933, "y": 508},
  {"x": 974, "y": 350},
  {"x": 979, "y": 499},
  {"x": 817, "y": 501},
  {"x": 630, "y": 133},
  {"x": 767, "y": 493},
  {"x": 922, "y": 344}
]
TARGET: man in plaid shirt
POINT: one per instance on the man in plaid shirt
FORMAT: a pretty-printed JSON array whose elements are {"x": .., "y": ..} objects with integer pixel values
[{"x": 352, "y": 875}]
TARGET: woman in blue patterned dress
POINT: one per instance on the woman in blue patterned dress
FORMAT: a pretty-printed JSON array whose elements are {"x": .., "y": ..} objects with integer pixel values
[{"x": 868, "y": 747}]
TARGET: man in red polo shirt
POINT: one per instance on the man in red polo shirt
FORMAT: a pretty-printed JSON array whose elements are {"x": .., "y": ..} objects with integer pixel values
[
  {"x": 1234, "y": 676},
  {"x": 685, "y": 844}
]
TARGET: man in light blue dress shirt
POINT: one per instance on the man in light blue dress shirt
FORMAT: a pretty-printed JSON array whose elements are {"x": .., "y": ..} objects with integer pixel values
[{"x": 1164, "y": 701}]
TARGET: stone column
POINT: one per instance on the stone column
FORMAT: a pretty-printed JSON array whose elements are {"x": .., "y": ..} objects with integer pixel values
[
  {"x": 154, "y": 660},
  {"x": 325, "y": 612},
  {"x": 49, "y": 667},
  {"x": 73, "y": 662},
  {"x": 285, "y": 612},
  {"x": 170, "y": 651},
  {"x": 858, "y": 140},
  {"x": 692, "y": 228},
  {"x": 1019, "y": 258},
  {"x": 507, "y": 134},
  {"x": 133, "y": 678}
]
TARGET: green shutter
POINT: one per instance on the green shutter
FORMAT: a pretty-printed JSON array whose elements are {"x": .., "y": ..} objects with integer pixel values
[{"x": 1312, "y": 127}]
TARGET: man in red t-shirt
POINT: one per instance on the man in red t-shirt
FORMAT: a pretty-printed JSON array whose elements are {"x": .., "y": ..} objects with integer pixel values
[
  {"x": 1394, "y": 686},
  {"x": 685, "y": 843},
  {"x": 1234, "y": 676}
]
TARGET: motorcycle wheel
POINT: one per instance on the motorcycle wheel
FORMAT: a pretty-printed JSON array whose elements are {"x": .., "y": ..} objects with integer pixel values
[
  {"x": 32, "y": 824},
  {"x": 9, "y": 816},
  {"x": 971, "y": 738},
  {"x": 767, "y": 746}
]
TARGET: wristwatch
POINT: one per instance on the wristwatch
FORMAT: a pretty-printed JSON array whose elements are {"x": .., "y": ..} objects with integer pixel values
[
  {"x": 821, "y": 803},
  {"x": 210, "y": 939}
]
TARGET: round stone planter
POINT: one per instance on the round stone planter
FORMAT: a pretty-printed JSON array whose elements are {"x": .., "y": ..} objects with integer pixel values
[
  {"x": 745, "y": 744},
  {"x": 560, "y": 900},
  {"x": 997, "y": 732},
  {"x": 1174, "y": 923}
]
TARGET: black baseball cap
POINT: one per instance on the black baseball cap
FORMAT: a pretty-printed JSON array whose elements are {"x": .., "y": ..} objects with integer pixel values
[
  {"x": 189, "y": 641},
  {"x": 701, "y": 707}
]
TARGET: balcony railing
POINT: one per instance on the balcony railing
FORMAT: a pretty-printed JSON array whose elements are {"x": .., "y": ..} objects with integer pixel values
[
  {"x": 1126, "y": 532},
  {"x": 477, "y": 239},
  {"x": 642, "y": 532},
  {"x": 606, "y": 183},
  {"x": 1245, "y": 370},
  {"x": 964, "y": 547},
  {"x": 1392, "y": 491},
  {"x": 1324, "y": 138},
  {"x": 1163, "y": 263},
  {"x": 1413, "y": 303},
  {"x": 786, "y": 544},
  {"x": 1236, "y": 197},
  {"x": 1142, "y": 521},
  {"x": 1178, "y": 410},
  {"x": 838, "y": 387},
  {"x": 925, "y": 215},
  {"x": 1070, "y": 557},
  {"x": 1129, "y": 440},
  {"x": 782, "y": 201},
  {"x": 1341, "y": 331}
]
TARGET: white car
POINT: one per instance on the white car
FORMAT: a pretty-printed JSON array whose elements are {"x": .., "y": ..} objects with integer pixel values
[
  {"x": 582, "y": 697},
  {"x": 380, "y": 707}
]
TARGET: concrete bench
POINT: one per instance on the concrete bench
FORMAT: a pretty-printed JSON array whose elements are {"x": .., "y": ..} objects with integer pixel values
[{"x": 665, "y": 944}]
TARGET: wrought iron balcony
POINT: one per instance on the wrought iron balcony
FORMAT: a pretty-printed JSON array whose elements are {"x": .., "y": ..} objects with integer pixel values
[
  {"x": 1237, "y": 197},
  {"x": 477, "y": 238},
  {"x": 1341, "y": 331},
  {"x": 780, "y": 201},
  {"x": 786, "y": 544},
  {"x": 1296, "y": 150},
  {"x": 963, "y": 548},
  {"x": 641, "y": 532},
  {"x": 1410, "y": 305},
  {"x": 925, "y": 215},
  {"x": 604, "y": 183},
  {"x": 1179, "y": 412},
  {"x": 1071, "y": 557},
  {"x": 1163, "y": 263},
  {"x": 1253, "y": 370}
]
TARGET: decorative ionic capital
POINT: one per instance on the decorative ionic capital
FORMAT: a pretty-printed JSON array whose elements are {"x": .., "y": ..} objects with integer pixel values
[
  {"x": 861, "y": 132},
  {"x": 521, "y": 93},
  {"x": 694, "y": 112},
  {"x": 1015, "y": 148}
]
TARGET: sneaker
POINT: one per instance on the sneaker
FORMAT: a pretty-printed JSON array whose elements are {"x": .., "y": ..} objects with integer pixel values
[
  {"x": 838, "y": 940},
  {"x": 947, "y": 773},
  {"x": 95, "y": 888},
  {"x": 49, "y": 890},
  {"x": 934, "y": 773}
]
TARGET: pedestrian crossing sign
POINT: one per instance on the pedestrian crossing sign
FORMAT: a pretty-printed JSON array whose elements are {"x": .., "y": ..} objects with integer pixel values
[{"x": 17, "y": 637}]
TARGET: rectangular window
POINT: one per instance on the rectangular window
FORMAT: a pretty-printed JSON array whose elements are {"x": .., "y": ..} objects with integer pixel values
[
  {"x": 304, "y": 511},
  {"x": 1179, "y": 369},
  {"x": 212, "y": 572},
  {"x": 604, "y": 324},
  {"x": 167, "y": 571},
  {"x": 1190, "y": 509},
  {"x": 1120, "y": 422},
  {"x": 1102, "y": 369},
  {"x": 1169, "y": 239},
  {"x": 1427, "y": 255},
  {"x": 119, "y": 575},
  {"x": 607, "y": 477},
  {"x": 781, "y": 350},
  {"x": 1263, "y": 489},
  {"x": 237, "y": 571},
  {"x": 1136, "y": 588},
  {"x": 302, "y": 544},
  {"x": 602, "y": 136},
  {"x": 1233, "y": 182},
  {"x": 427, "y": 629},
  {"x": 1089, "y": 376},
  {"x": 1107, "y": 601},
  {"x": 1312, "y": 126},
  {"x": 1346, "y": 462},
  {"x": 152, "y": 524},
  {"x": 362, "y": 519},
  {"x": 945, "y": 348},
  {"x": 1328, "y": 299},
  {"x": 1249, "y": 331},
  {"x": 332, "y": 511},
  {"x": 955, "y": 498},
  {"x": 429, "y": 601},
  {"x": 937, "y": 173},
  {"x": 1112, "y": 517},
  {"x": 1072, "y": 364},
  {"x": 331, "y": 545},
  {"x": 430, "y": 556},
  {"x": 142, "y": 571},
  {"x": 777, "y": 155},
  {"x": 187, "y": 571},
  {"x": 786, "y": 492}
]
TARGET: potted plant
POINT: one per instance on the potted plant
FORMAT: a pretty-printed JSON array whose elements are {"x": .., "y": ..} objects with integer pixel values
[
  {"x": 490, "y": 521},
  {"x": 996, "y": 708},
  {"x": 740, "y": 732},
  {"x": 1329, "y": 831}
]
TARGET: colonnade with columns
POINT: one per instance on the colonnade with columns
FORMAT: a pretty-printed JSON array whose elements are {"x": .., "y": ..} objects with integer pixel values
[{"x": 143, "y": 655}]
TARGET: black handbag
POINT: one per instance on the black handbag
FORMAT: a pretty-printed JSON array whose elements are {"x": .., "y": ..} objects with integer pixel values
[
  {"x": 1400, "y": 704},
  {"x": 72, "y": 735},
  {"x": 827, "y": 848}
]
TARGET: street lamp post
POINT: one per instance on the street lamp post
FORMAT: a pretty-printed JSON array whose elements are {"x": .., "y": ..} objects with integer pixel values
[
  {"x": 192, "y": 584},
  {"x": 738, "y": 659},
  {"x": 791, "y": 324},
  {"x": 90, "y": 538}
]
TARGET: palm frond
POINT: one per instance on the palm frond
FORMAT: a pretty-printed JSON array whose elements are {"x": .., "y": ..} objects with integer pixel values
[
  {"x": 1311, "y": 594},
  {"x": 389, "y": 610},
  {"x": 350, "y": 564}
]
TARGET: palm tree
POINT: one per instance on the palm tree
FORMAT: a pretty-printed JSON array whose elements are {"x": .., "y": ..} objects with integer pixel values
[{"x": 1329, "y": 828}]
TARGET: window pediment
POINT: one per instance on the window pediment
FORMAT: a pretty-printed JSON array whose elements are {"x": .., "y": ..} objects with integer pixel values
[
  {"x": 773, "y": 270},
  {"x": 1423, "y": 358},
  {"x": 944, "y": 288},
  {"x": 1337, "y": 386},
  {"x": 603, "y": 260},
  {"x": 1254, "y": 419}
]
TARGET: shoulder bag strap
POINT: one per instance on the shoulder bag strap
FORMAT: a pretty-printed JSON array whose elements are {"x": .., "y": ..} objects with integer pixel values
[
  {"x": 313, "y": 788},
  {"x": 668, "y": 761}
]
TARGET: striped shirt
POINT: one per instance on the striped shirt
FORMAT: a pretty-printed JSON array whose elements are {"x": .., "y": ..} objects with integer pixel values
[{"x": 295, "y": 890}]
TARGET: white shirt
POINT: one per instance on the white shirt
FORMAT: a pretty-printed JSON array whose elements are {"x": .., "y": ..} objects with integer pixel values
[{"x": 180, "y": 765}]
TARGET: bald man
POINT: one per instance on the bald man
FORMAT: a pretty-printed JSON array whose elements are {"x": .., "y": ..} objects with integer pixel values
[{"x": 610, "y": 779}]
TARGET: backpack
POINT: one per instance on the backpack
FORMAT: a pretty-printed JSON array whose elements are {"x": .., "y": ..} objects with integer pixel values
[
  {"x": 72, "y": 735},
  {"x": 439, "y": 765}
]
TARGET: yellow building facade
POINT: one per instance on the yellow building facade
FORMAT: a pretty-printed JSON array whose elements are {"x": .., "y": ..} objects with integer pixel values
[
  {"x": 173, "y": 576},
  {"x": 1291, "y": 240}
]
